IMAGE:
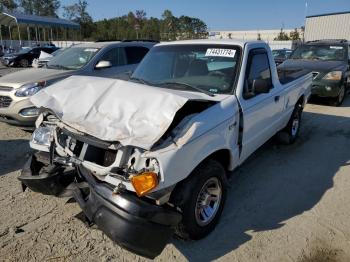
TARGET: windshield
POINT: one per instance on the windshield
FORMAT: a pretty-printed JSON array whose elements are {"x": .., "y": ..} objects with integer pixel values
[
  {"x": 319, "y": 52},
  {"x": 25, "y": 50},
  {"x": 57, "y": 52},
  {"x": 210, "y": 69},
  {"x": 72, "y": 58}
]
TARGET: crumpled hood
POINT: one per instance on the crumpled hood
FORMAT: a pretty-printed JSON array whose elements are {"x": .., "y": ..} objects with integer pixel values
[{"x": 114, "y": 110}]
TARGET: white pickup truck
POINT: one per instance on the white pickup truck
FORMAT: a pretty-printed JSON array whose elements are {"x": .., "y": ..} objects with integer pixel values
[{"x": 150, "y": 156}]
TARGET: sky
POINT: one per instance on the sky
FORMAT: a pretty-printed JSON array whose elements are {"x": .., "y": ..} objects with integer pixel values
[{"x": 223, "y": 14}]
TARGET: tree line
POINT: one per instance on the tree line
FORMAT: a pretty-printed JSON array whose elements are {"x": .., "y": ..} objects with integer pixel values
[{"x": 134, "y": 25}]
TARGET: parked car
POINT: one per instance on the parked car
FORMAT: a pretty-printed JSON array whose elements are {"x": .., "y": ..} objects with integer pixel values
[
  {"x": 329, "y": 61},
  {"x": 44, "y": 58},
  {"x": 144, "y": 156},
  {"x": 106, "y": 59},
  {"x": 25, "y": 56},
  {"x": 280, "y": 55}
]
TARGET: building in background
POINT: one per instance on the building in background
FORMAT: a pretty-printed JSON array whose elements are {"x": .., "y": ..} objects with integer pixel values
[
  {"x": 328, "y": 26},
  {"x": 266, "y": 35}
]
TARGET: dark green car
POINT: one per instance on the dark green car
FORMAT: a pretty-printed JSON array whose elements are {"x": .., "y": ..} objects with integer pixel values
[{"x": 329, "y": 61}]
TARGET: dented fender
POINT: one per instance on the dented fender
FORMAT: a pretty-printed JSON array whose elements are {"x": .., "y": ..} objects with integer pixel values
[{"x": 208, "y": 132}]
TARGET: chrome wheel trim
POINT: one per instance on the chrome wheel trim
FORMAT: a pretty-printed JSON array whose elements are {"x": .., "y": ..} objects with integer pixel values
[
  {"x": 208, "y": 201},
  {"x": 295, "y": 125}
]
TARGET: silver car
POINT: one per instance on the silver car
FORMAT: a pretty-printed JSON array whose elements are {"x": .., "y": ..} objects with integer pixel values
[{"x": 105, "y": 59}]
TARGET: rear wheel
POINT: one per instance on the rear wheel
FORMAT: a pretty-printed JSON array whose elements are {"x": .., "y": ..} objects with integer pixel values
[
  {"x": 201, "y": 198},
  {"x": 340, "y": 98},
  {"x": 24, "y": 63},
  {"x": 290, "y": 133}
]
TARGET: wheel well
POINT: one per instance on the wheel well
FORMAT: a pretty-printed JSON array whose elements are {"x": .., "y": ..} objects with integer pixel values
[
  {"x": 301, "y": 101},
  {"x": 223, "y": 156},
  {"x": 180, "y": 192}
]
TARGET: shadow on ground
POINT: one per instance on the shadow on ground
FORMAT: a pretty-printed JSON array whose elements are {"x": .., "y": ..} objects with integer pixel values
[
  {"x": 277, "y": 183},
  {"x": 13, "y": 154}
]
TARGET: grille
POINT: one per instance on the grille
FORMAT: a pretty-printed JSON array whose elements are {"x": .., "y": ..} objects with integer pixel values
[
  {"x": 314, "y": 74},
  {"x": 6, "y": 88},
  {"x": 5, "y": 101}
]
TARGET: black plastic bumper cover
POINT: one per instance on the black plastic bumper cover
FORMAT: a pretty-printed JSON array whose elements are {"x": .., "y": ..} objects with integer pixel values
[
  {"x": 135, "y": 224},
  {"x": 40, "y": 177}
]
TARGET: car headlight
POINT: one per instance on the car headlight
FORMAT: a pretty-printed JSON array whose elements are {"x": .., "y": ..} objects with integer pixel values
[
  {"x": 43, "y": 136},
  {"x": 334, "y": 75},
  {"x": 30, "y": 89}
]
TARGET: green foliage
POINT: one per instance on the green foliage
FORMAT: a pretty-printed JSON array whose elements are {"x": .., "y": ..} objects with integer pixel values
[
  {"x": 137, "y": 25},
  {"x": 8, "y": 5},
  {"x": 294, "y": 35},
  {"x": 282, "y": 36},
  {"x": 40, "y": 7},
  {"x": 78, "y": 13}
]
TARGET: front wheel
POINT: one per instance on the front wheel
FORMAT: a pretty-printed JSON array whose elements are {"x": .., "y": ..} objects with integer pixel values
[
  {"x": 201, "y": 198},
  {"x": 24, "y": 63},
  {"x": 337, "y": 101}
]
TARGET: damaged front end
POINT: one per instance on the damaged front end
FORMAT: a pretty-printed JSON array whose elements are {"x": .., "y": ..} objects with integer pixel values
[{"x": 109, "y": 181}]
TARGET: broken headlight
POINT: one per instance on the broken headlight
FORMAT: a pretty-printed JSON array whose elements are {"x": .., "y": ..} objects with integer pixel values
[{"x": 42, "y": 136}]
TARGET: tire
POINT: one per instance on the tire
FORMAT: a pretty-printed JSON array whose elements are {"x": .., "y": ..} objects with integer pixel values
[
  {"x": 291, "y": 132},
  {"x": 24, "y": 63},
  {"x": 201, "y": 211},
  {"x": 340, "y": 98}
]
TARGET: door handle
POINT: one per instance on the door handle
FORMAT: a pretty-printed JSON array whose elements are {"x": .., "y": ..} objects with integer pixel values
[{"x": 277, "y": 98}]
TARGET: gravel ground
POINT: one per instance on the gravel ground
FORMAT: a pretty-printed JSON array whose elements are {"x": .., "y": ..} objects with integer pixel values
[{"x": 286, "y": 203}]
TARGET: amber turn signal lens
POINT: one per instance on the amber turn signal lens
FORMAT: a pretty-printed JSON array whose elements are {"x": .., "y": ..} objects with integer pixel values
[{"x": 144, "y": 183}]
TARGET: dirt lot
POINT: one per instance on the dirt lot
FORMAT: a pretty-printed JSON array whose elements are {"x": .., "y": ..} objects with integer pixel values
[{"x": 286, "y": 203}]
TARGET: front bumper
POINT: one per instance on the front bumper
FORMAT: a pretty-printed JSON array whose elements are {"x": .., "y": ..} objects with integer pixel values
[
  {"x": 7, "y": 62},
  {"x": 135, "y": 224},
  {"x": 12, "y": 113},
  {"x": 326, "y": 88}
]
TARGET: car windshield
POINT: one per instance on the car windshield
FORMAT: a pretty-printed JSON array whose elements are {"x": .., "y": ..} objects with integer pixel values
[
  {"x": 57, "y": 52},
  {"x": 276, "y": 53},
  {"x": 25, "y": 50},
  {"x": 72, "y": 58},
  {"x": 320, "y": 52},
  {"x": 210, "y": 69}
]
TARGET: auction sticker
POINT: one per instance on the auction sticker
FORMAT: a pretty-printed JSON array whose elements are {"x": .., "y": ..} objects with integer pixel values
[{"x": 220, "y": 52}]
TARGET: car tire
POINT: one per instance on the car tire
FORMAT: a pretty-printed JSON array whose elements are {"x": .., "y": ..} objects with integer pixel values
[
  {"x": 24, "y": 63},
  {"x": 337, "y": 101},
  {"x": 201, "y": 198},
  {"x": 291, "y": 132}
]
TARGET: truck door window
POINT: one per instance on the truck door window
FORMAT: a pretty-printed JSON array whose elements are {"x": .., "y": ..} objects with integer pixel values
[{"x": 258, "y": 68}]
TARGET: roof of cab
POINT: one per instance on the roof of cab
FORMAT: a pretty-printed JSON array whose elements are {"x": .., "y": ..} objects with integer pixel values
[{"x": 241, "y": 43}]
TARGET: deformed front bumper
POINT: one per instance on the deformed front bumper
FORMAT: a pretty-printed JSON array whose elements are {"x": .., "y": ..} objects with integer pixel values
[
  {"x": 135, "y": 224},
  {"x": 326, "y": 88}
]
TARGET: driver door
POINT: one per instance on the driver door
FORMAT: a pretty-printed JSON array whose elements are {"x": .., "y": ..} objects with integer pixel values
[{"x": 261, "y": 112}]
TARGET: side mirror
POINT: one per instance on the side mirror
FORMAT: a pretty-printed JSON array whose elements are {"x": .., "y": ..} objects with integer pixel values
[
  {"x": 261, "y": 86},
  {"x": 103, "y": 64}
]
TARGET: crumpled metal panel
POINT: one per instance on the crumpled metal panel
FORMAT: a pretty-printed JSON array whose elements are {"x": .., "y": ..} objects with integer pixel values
[{"x": 113, "y": 110}]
